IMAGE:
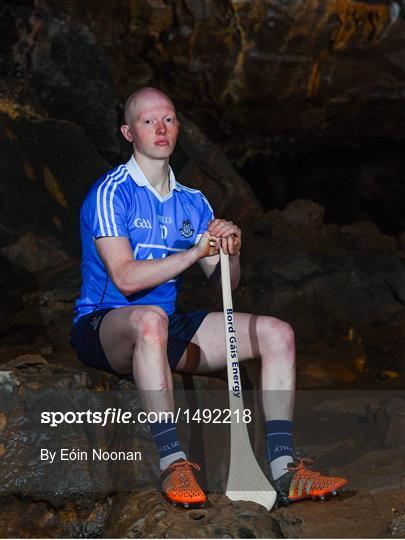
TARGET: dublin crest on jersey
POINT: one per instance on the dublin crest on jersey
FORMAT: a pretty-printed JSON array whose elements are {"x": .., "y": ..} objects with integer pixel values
[{"x": 186, "y": 229}]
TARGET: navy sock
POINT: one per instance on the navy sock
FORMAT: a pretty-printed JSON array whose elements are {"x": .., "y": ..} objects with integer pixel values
[
  {"x": 167, "y": 442},
  {"x": 279, "y": 444}
]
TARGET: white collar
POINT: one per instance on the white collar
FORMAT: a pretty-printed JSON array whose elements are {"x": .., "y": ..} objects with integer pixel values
[{"x": 140, "y": 179}]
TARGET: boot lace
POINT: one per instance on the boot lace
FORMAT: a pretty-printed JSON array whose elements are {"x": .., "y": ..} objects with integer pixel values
[{"x": 181, "y": 465}]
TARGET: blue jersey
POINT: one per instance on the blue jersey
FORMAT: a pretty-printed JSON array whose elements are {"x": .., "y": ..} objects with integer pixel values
[{"x": 123, "y": 203}]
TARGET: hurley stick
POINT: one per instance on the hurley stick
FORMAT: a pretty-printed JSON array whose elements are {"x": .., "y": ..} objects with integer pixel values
[{"x": 246, "y": 480}]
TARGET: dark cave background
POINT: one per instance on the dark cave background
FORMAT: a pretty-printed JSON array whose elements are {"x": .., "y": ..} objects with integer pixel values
[
  {"x": 362, "y": 183},
  {"x": 293, "y": 125},
  {"x": 305, "y": 100}
]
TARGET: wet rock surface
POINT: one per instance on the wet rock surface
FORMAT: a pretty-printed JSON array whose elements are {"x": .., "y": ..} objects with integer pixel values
[
  {"x": 388, "y": 418},
  {"x": 22, "y": 518},
  {"x": 43, "y": 190},
  {"x": 147, "y": 515},
  {"x": 310, "y": 70},
  {"x": 199, "y": 164},
  {"x": 31, "y": 388},
  {"x": 110, "y": 499},
  {"x": 397, "y": 525}
]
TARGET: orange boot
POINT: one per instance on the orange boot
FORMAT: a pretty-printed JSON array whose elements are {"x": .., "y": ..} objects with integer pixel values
[
  {"x": 179, "y": 485},
  {"x": 302, "y": 483}
]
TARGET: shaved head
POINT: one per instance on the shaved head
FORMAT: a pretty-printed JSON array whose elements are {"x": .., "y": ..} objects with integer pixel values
[
  {"x": 151, "y": 125},
  {"x": 144, "y": 96}
]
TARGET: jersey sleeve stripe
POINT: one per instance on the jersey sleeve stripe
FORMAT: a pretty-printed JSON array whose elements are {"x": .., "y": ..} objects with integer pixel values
[
  {"x": 100, "y": 219},
  {"x": 105, "y": 194},
  {"x": 112, "y": 206},
  {"x": 102, "y": 211},
  {"x": 113, "y": 185},
  {"x": 105, "y": 206}
]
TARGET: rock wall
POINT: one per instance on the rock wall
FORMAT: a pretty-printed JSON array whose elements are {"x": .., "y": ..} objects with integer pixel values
[
  {"x": 91, "y": 498},
  {"x": 259, "y": 76}
]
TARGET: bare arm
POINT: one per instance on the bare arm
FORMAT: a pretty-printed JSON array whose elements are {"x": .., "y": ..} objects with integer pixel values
[
  {"x": 213, "y": 271},
  {"x": 227, "y": 235},
  {"x": 130, "y": 276}
]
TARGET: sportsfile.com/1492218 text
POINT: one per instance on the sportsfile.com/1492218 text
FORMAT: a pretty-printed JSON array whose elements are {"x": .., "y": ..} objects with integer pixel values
[{"x": 114, "y": 415}]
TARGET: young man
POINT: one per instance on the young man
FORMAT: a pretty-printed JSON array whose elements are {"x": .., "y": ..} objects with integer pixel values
[{"x": 140, "y": 230}]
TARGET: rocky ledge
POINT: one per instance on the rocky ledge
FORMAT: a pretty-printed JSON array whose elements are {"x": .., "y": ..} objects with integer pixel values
[{"x": 357, "y": 434}]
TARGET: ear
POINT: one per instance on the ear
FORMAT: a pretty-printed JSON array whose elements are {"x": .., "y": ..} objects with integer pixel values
[{"x": 126, "y": 132}]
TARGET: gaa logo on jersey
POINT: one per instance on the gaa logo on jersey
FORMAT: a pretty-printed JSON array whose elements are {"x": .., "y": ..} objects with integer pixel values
[
  {"x": 142, "y": 223},
  {"x": 186, "y": 229}
]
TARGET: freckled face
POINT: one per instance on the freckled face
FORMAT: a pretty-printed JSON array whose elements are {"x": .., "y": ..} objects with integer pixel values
[{"x": 154, "y": 127}]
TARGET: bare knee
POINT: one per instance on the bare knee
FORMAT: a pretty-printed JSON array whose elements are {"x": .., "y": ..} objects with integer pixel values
[
  {"x": 277, "y": 336},
  {"x": 150, "y": 324}
]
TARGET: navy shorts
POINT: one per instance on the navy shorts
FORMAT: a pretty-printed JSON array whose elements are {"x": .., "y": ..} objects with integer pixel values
[{"x": 85, "y": 338}]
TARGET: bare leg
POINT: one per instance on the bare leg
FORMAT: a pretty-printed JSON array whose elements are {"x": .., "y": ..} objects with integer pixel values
[
  {"x": 135, "y": 339},
  {"x": 262, "y": 337}
]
